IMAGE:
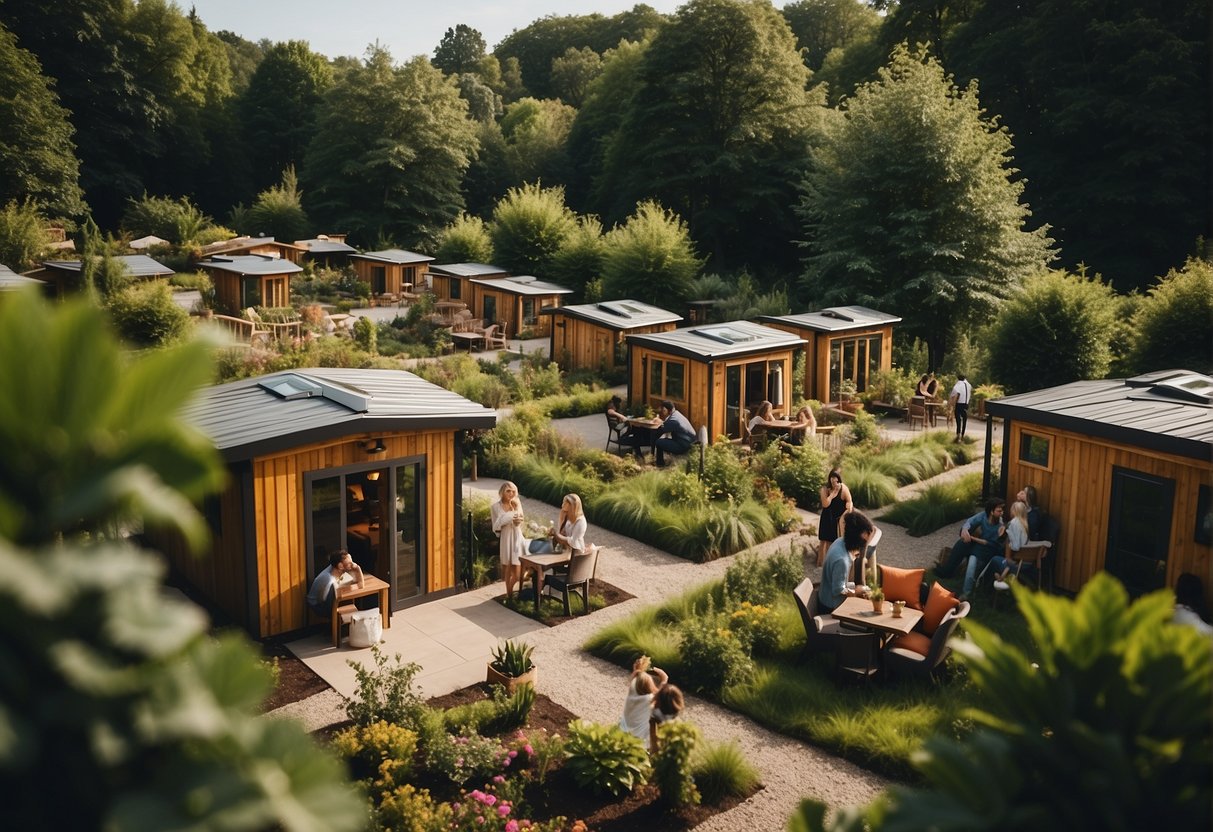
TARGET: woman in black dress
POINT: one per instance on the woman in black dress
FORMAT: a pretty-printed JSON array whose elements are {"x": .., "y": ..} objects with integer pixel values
[{"x": 835, "y": 502}]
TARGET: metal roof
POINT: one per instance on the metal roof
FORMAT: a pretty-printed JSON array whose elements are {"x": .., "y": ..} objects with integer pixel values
[
  {"x": 326, "y": 246},
  {"x": 139, "y": 265},
  {"x": 147, "y": 242},
  {"x": 256, "y": 264},
  {"x": 10, "y": 280},
  {"x": 242, "y": 243},
  {"x": 718, "y": 340},
  {"x": 466, "y": 269},
  {"x": 394, "y": 255},
  {"x": 617, "y": 314},
  {"x": 245, "y": 419},
  {"x": 1169, "y": 411},
  {"x": 835, "y": 319},
  {"x": 524, "y": 284}
]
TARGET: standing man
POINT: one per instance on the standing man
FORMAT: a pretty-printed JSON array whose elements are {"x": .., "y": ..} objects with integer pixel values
[
  {"x": 677, "y": 434},
  {"x": 320, "y": 596},
  {"x": 962, "y": 391},
  {"x": 980, "y": 540}
]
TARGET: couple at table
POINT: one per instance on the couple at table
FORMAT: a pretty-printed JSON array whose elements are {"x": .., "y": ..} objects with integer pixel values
[
  {"x": 857, "y": 532},
  {"x": 675, "y": 434},
  {"x": 507, "y": 520}
]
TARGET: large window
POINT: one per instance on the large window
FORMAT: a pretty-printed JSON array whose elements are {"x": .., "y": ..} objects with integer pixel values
[
  {"x": 667, "y": 380},
  {"x": 528, "y": 311},
  {"x": 456, "y": 287},
  {"x": 854, "y": 359}
]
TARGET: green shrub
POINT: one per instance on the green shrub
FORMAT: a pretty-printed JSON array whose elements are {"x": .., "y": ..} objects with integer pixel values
[
  {"x": 366, "y": 335},
  {"x": 871, "y": 487},
  {"x": 712, "y": 656},
  {"x": 801, "y": 472},
  {"x": 469, "y": 716},
  {"x": 672, "y": 771},
  {"x": 756, "y": 627},
  {"x": 605, "y": 758},
  {"x": 863, "y": 429},
  {"x": 408, "y": 809},
  {"x": 937, "y": 505},
  {"x": 724, "y": 475},
  {"x": 380, "y": 754},
  {"x": 747, "y": 579},
  {"x": 786, "y": 569},
  {"x": 385, "y": 692},
  {"x": 510, "y": 710},
  {"x": 721, "y": 770},
  {"x": 146, "y": 315},
  {"x": 465, "y": 758}
]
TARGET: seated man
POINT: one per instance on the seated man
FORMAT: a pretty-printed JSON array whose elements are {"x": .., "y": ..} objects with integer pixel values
[
  {"x": 320, "y": 596},
  {"x": 857, "y": 530},
  {"x": 980, "y": 540},
  {"x": 677, "y": 435}
]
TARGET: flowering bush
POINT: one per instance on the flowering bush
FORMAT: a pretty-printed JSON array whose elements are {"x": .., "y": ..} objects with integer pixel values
[
  {"x": 712, "y": 655},
  {"x": 539, "y": 752},
  {"x": 380, "y": 753},
  {"x": 467, "y": 757},
  {"x": 756, "y": 627},
  {"x": 408, "y": 809},
  {"x": 724, "y": 475}
]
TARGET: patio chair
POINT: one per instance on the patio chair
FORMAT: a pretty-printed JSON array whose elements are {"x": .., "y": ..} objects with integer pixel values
[
  {"x": 918, "y": 412},
  {"x": 497, "y": 340},
  {"x": 581, "y": 572},
  {"x": 615, "y": 431},
  {"x": 820, "y": 632},
  {"x": 901, "y": 661},
  {"x": 857, "y": 655}
]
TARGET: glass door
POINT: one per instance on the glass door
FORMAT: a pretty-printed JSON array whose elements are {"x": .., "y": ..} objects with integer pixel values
[
  {"x": 1139, "y": 529},
  {"x": 410, "y": 569}
]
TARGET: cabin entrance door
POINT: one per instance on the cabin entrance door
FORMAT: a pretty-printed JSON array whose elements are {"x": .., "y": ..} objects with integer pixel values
[{"x": 1139, "y": 529}]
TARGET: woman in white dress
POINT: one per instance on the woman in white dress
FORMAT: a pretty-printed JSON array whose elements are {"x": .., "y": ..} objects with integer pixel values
[{"x": 507, "y": 520}]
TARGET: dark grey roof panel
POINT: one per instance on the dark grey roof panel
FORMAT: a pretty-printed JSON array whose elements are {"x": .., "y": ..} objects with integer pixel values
[
  {"x": 138, "y": 265},
  {"x": 835, "y": 319},
  {"x": 717, "y": 340},
  {"x": 466, "y": 269},
  {"x": 617, "y": 314},
  {"x": 245, "y": 420},
  {"x": 256, "y": 264},
  {"x": 398, "y": 256},
  {"x": 523, "y": 285}
]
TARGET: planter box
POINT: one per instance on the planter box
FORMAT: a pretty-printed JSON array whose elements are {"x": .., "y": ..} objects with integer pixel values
[{"x": 510, "y": 682}]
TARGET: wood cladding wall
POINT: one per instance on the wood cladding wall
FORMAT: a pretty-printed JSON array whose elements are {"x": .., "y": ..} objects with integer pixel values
[
  {"x": 579, "y": 344},
  {"x": 1076, "y": 487},
  {"x": 816, "y": 383}
]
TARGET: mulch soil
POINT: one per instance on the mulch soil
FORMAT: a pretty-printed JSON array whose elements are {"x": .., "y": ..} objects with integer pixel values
[{"x": 610, "y": 594}]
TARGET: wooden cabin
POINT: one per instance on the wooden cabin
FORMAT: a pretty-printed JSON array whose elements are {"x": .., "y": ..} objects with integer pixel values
[
  {"x": 247, "y": 246},
  {"x": 713, "y": 373},
  {"x": 250, "y": 280},
  {"x": 328, "y": 251},
  {"x": 515, "y": 302},
  {"x": 392, "y": 271},
  {"x": 451, "y": 281},
  {"x": 842, "y": 342},
  {"x": 64, "y": 276},
  {"x": 591, "y": 336},
  {"x": 1126, "y": 465},
  {"x": 325, "y": 459}
]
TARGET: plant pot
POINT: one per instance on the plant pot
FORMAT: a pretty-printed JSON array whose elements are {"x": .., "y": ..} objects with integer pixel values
[
  {"x": 878, "y": 606},
  {"x": 510, "y": 682}
]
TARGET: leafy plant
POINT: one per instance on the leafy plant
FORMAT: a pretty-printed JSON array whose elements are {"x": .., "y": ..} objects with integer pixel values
[
  {"x": 755, "y": 626},
  {"x": 672, "y": 771},
  {"x": 801, "y": 472},
  {"x": 385, "y": 692},
  {"x": 466, "y": 757},
  {"x": 545, "y": 750},
  {"x": 712, "y": 656},
  {"x": 937, "y": 505},
  {"x": 721, "y": 770},
  {"x": 605, "y": 758},
  {"x": 510, "y": 710},
  {"x": 512, "y": 658},
  {"x": 409, "y": 809},
  {"x": 380, "y": 754}
]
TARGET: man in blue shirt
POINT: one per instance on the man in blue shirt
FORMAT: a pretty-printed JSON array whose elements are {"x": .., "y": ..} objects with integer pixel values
[
  {"x": 320, "y": 596},
  {"x": 857, "y": 530},
  {"x": 677, "y": 433},
  {"x": 980, "y": 540}
]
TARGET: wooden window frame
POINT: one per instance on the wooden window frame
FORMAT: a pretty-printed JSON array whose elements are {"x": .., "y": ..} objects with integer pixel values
[
  {"x": 664, "y": 392},
  {"x": 1049, "y": 438}
]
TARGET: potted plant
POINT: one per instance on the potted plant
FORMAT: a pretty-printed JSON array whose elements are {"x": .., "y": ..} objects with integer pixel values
[
  {"x": 875, "y": 594},
  {"x": 981, "y": 394},
  {"x": 511, "y": 665}
]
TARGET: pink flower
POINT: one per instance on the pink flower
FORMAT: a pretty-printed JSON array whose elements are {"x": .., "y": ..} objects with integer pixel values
[
  {"x": 512, "y": 754},
  {"x": 527, "y": 748},
  {"x": 511, "y": 826},
  {"x": 498, "y": 778},
  {"x": 503, "y": 810}
]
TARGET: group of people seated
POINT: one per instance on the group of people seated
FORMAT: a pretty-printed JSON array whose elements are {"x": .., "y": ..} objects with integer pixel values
[
  {"x": 987, "y": 538},
  {"x": 803, "y": 424},
  {"x": 674, "y": 435}
]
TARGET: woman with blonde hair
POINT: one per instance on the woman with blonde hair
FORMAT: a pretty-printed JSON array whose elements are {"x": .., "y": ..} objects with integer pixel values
[
  {"x": 569, "y": 531},
  {"x": 805, "y": 425},
  {"x": 507, "y": 520},
  {"x": 1017, "y": 541}
]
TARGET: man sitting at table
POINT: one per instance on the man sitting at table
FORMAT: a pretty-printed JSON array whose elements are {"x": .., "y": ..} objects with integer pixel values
[
  {"x": 980, "y": 540},
  {"x": 320, "y": 596},
  {"x": 857, "y": 530},
  {"x": 677, "y": 435}
]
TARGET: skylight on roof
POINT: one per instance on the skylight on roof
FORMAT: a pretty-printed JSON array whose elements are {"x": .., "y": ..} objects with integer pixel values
[
  {"x": 613, "y": 310},
  {"x": 1192, "y": 386},
  {"x": 724, "y": 334},
  {"x": 291, "y": 386}
]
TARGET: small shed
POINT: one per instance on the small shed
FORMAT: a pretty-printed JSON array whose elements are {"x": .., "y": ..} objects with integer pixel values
[
  {"x": 713, "y": 373},
  {"x": 327, "y": 459},
  {"x": 250, "y": 280},
  {"x": 245, "y": 246},
  {"x": 842, "y": 342},
  {"x": 591, "y": 336},
  {"x": 1126, "y": 465},
  {"x": 391, "y": 271},
  {"x": 327, "y": 250},
  {"x": 64, "y": 276},
  {"x": 450, "y": 281},
  {"x": 516, "y": 302}
]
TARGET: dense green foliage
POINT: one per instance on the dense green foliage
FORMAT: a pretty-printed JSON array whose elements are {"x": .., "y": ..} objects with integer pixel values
[
  {"x": 604, "y": 758},
  {"x": 649, "y": 258},
  {"x": 145, "y": 314},
  {"x": 23, "y": 235},
  {"x": 1174, "y": 325},
  {"x": 465, "y": 240},
  {"x": 530, "y": 224}
]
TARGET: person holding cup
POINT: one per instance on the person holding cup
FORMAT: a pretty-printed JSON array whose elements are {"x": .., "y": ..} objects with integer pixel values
[
  {"x": 507, "y": 520},
  {"x": 857, "y": 530}
]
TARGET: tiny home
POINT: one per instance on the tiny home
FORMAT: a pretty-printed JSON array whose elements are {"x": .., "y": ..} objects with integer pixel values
[
  {"x": 842, "y": 343},
  {"x": 247, "y": 246},
  {"x": 515, "y": 303},
  {"x": 327, "y": 250},
  {"x": 591, "y": 336},
  {"x": 325, "y": 459},
  {"x": 714, "y": 373},
  {"x": 250, "y": 280},
  {"x": 1126, "y": 465},
  {"x": 392, "y": 271},
  {"x": 450, "y": 281},
  {"x": 64, "y": 276}
]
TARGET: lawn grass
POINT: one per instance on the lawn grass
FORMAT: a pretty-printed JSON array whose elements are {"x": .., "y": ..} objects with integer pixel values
[
  {"x": 937, "y": 506},
  {"x": 878, "y": 726}
]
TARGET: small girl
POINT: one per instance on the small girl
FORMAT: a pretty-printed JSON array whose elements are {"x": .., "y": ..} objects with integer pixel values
[
  {"x": 638, "y": 707},
  {"x": 667, "y": 705}
]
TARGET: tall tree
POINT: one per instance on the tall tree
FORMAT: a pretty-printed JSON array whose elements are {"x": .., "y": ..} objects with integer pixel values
[
  {"x": 460, "y": 50},
  {"x": 650, "y": 258},
  {"x": 718, "y": 129},
  {"x": 572, "y": 73},
  {"x": 535, "y": 132},
  {"x": 530, "y": 224},
  {"x": 1173, "y": 326},
  {"x": 823, "y": 25},
  {"x": 390, "y": 149},
  {"x": 278, "y": 211},
  {"x": 278, "y": 110},
  {"x": 37, "y": 154},
  {"x": 911, "y": 205},
  {"x": 1112, "y": 107}
]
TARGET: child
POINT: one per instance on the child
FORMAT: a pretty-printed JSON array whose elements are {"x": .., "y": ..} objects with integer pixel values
[
  {"x": 667, "y": 705},
  {"x": 638, "y": 707}
]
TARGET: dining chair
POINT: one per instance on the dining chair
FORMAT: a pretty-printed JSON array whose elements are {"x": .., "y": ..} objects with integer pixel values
[
  {"x": 581, "y": 572},
  {"x": 918, "y": 412},
  {"x": 615, "y": 431},
  {"x": 820, "y": 631},
  {"x": 900, "y": 661},
  {"x": 857, "y": 655},
  {"x": 498, "y": 340}
]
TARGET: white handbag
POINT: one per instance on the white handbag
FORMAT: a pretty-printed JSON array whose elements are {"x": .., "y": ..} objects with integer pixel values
[{"x": 366, "y": 628}]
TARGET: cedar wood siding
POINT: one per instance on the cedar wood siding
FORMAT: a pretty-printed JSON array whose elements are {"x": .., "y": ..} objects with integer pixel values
[
  {"x": 579, "y": 344},
  {"x": 816, "y": 383}
]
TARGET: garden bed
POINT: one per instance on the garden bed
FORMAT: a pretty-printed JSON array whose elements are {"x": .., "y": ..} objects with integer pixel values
[{"x": 551, "y": 611}]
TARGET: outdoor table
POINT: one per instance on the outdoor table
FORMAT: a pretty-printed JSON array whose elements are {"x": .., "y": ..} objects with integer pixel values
[
  {"x": 858, "y": 611},
  {"x": 933, "y": 407},
  {"x": 469, "y": 337},
  {"x": 537, "y": 564},
  {"x": 348, "y": 592},
  {"x": 641, "y": 425}
]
